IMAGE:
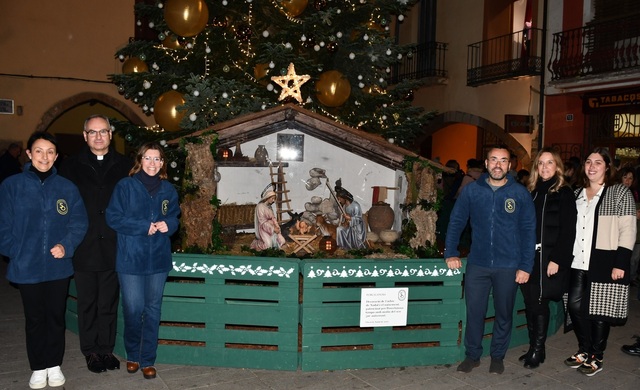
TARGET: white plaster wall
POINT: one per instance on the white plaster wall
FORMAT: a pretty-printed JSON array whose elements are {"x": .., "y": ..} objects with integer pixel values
[{"x": 242, "y": 185}]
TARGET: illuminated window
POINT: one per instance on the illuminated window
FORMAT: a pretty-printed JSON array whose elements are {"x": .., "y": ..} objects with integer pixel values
[{"x": 290, "y": 147}]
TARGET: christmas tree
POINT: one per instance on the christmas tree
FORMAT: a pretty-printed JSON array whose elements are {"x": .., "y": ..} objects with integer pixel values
[{"x": 213, "y": 60}]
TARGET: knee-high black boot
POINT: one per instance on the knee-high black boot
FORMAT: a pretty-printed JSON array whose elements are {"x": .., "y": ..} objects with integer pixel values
[
  {"x": 541, "y": 326},
  {"x": 528, "y": 354}
]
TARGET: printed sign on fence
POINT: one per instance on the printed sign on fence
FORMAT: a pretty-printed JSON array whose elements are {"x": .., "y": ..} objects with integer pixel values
[{"x": 383, "y": 307}]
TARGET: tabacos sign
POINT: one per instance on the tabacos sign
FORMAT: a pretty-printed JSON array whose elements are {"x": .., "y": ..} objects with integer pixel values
[{"x": 611, "y": 100}]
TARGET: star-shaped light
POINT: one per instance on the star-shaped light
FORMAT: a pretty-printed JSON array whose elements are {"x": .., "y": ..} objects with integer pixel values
[{"x": 291, "y": 84}]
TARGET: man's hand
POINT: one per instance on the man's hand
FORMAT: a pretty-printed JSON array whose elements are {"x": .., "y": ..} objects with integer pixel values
[
  {"x": 453, "y": 262},
  {"x": 57, "y": 251},
  {"x": 522, "y": 277}
]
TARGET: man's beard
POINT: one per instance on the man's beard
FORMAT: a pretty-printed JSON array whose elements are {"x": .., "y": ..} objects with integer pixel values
[{"x": 491, "y": 173}]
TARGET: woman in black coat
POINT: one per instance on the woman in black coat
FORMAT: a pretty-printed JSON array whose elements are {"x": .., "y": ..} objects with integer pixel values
[{"x": 555, "y": 232}]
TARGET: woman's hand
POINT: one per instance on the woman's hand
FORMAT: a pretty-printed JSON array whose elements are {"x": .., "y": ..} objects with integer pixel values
[
  {"x": 152, "y": 229},
  {"x": 552, "y": 268},
  {"x": 162, "y": 227},
  {"x": 617, "y": 274}
]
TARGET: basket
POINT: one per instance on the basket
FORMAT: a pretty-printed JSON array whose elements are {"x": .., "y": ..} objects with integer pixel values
[{"x": 236, "y": 215}]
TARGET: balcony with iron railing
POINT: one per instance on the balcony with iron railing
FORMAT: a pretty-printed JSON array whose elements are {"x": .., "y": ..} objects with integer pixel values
[
  {"x": 427, "y": 60},
  {"x": 605, "y": 47},
  {"x": 506, "y": 57}
]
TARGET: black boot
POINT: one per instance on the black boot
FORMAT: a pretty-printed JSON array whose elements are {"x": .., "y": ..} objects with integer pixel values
[
  {"x": 531, "y": 337},
  {"x": 541, "y": 326}
]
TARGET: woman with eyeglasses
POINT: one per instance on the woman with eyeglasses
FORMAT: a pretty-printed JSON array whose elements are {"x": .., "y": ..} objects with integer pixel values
[{"x": 144, "y": 212}]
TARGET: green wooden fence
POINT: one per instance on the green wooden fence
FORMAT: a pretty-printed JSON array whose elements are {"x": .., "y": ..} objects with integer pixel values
[{"x": 285, "y": 314}]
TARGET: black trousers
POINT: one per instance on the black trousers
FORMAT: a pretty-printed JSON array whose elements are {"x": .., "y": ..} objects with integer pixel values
[
  {"x": 44, "y": 312},
  {"x": 592, "y": 335},
  {"x": 98, "y": 297}
]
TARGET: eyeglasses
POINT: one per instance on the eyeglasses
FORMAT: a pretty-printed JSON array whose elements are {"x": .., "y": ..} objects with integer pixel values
[
  {"x": 154, "y": 159},
  {"x": 92, "y": 133}
]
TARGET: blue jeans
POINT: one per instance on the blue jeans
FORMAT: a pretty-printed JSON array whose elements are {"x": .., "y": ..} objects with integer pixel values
[
  {"x": 141, "y": 304},
  {"x": 478, "y": 282}
]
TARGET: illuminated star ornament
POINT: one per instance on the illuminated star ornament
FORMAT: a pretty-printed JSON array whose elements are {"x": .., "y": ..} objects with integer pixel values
[{"x": 291, "y": 84}]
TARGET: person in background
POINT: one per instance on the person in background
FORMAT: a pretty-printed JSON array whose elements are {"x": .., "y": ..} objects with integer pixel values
[
  {"x": 267, "y": 229},
  {"x": 96, "y": 170},
  {"x": 475, "y": 168},
  {"x": 10, "y": 161},
  {"x": 555, "y": 233},
  {"x": 513, "y": 163},
  {"x": 628, "y": 178},
  {"x": 605, "y": 235},
  {"x": 451, "y": 180},
  {"x": 144, "y": 212},
  {"x": 42, "y": 222},
  {"x": 523, "y": 177},
  {"x": 573, "y": 168},
  {"x": 503, "y": 223}
]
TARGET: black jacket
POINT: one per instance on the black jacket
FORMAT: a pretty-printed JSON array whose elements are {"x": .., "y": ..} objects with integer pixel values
[
  {"x": 97, "y": 252},
  {"x": 556, "y": 231}
]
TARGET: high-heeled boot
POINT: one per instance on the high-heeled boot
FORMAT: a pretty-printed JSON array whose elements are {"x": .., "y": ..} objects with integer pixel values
[
  {"x": 528, "y": 354},
  {"x": 541, "y": 326}
]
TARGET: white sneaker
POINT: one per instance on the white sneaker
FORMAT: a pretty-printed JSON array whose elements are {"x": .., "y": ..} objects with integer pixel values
[
  {"x": 38, "y": 379},
  {"x": 55, "y": 376}
]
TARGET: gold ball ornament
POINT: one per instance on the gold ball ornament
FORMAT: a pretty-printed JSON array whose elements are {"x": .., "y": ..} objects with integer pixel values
[
  {"x": 171, "y": 42},
  {"x": 260, "y": 71},
  {"x": 134, "y": 65},
  {"x": 165, "y": 110},
  {"x": 294, "y": 7},
  {"x": 333, "y": 89},
  {"x": 186, "y": 17}
]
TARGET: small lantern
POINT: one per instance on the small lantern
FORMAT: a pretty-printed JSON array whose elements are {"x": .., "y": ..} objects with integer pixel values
[
  {"x": 328, "y": 244},
  {"x": 225, "y": 154}
]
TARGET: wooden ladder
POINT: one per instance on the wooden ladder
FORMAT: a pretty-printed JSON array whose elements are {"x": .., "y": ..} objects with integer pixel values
[{"x": 283, "y": 203}]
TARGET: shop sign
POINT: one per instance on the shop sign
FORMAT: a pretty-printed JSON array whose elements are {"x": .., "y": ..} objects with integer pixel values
[
  {"x": 518, "y": 123},
  {"x": 611, "y": 100}
]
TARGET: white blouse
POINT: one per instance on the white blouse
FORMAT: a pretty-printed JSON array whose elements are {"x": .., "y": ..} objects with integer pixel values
[{"x": 584, "y": 229}]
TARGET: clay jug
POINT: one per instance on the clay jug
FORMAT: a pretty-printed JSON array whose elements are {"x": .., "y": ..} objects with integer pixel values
[
  {"x": 261, "y": 155},
  {"x": 380, "y": 217}
]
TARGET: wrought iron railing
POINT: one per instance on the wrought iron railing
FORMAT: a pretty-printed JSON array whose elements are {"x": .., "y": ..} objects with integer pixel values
[
  {"x": 510, "y": 56},
  {"x": 426, "y": 60},
  {"x": 595, "y": 49}
]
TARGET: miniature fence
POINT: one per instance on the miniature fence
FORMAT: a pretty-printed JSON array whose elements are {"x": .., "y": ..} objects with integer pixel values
[{"x": 283, "y": 314}]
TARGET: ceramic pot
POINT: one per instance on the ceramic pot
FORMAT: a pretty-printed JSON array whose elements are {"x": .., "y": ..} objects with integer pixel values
[
  {"x": 380, "y": 217},
  {"x": 261, "y": 155}
]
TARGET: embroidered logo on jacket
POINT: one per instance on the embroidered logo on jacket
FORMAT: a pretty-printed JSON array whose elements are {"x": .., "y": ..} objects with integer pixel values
[
  {"x": 165, "y": 207},
  {"x": 61, "y": 206},
  {"x": 509, "y": 205}
]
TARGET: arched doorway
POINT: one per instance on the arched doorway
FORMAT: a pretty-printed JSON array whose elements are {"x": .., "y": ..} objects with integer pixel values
[
  {"x": 66, "y": 117},
  {"x": 463, "y": 126}
]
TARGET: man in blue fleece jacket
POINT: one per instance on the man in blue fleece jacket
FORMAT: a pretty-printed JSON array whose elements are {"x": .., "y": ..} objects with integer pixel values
[{"x": 503, "y": 223}]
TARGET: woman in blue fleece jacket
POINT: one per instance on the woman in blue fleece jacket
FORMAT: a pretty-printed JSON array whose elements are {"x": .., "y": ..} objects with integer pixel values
[
  {"x": 43, "y": 220},
  {"x": 144, "y": 213}
]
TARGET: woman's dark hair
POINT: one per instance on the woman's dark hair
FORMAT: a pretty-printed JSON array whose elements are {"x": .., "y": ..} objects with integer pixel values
[
  {"x": 610, "y": 171},
  {"x": 138, "y": 160},
  {"x": 42, "y": 135}
]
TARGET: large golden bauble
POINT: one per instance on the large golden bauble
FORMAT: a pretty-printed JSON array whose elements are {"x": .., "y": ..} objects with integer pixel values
[
  {"x": 333, "y": 89},
  {"x": 260, "y": 71},
  {"x": 134, "y": 65},
  {"x": 186, "y": 17},
  {"x": 294, "y": 7},
  {"x": 165, "y": 110},
  {"x": 171, "y": 42}
]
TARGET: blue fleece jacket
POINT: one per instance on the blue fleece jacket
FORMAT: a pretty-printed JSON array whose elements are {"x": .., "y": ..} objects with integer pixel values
[
  {"x": 35, "y": 217},
  {"x": 130, "y": 213},
  {"x": 503, "y": 224}
]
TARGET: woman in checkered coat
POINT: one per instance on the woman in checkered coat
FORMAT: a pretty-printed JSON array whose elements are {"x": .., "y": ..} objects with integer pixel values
[{"x": 605, "y": 235}]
